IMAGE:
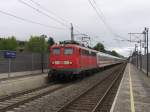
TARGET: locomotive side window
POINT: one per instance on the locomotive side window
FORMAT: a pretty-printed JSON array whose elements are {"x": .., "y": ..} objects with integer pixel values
[
  {"x": 93, "y": 54},
  {"x": 84, "y": 52},
  {"x": 56, "y": 51},
  {"x": 68, "y": 51},
  {"x": 87, "y": 53}
]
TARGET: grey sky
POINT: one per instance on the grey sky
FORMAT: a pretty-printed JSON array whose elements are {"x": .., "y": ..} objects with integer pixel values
[{"x": 123, "y": 16}]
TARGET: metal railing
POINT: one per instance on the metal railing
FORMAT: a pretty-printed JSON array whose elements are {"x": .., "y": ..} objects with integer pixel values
[
  {"x": 140, "y": 61},
  {"x": 25, "y": 61}
]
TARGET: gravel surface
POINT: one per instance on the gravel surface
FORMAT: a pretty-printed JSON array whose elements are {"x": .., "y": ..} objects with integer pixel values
[{"x": 54, "y": 101}]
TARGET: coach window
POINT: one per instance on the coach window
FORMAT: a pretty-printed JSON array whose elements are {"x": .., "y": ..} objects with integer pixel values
[
  {"x": 56, "y": 51},
  {"x": 82, "y": 52},
  {"x": 68, "y": 51},
  {"x": 93, "y": 54}
]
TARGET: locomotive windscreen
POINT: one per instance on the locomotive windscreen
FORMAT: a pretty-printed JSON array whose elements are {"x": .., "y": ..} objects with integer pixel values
[
  {"x": 56, "y": 51},
  {"x": 68, "y": 51}
]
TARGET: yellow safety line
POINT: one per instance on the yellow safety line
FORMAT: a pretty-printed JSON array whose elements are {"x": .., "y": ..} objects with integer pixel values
[{"x": 131, "y": 92}]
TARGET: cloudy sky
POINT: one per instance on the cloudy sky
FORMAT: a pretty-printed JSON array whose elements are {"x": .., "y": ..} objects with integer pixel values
[{"x": 117, "y": 17}]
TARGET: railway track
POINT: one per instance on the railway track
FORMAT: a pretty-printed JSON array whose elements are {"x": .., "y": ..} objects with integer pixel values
[
  {"x": 11, "y": 102},
  {"x": 3, "y": 98},
  {"x": 94, "y": 99},
  {"x": 104, "y": 105}
]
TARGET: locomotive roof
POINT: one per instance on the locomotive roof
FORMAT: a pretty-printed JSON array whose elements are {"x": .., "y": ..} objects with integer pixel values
[
  {"x": 74, "y": 45},
  {"x": 108, "y": 55}
]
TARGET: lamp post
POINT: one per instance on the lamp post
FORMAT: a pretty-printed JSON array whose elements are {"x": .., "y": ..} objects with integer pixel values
[
  {"x": 146, "y": 30},
  {"x": 140, "y": 54},
  {"x": 136, "y": 52},
  {"x": 42, "y": 52}
]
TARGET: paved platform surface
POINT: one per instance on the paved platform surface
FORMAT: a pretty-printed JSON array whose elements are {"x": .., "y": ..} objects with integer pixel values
[
  {"x": 20, "y": 74},
  {"x": 134, "y": 92},
  {"x": 9, "y": 87}
]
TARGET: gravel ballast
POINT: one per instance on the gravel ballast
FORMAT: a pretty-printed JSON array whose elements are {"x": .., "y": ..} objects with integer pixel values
[{"x": 55, "y": 100}]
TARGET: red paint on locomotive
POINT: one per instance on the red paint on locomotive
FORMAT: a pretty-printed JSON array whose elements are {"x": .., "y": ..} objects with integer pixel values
[{"x": 72, "y": 56}]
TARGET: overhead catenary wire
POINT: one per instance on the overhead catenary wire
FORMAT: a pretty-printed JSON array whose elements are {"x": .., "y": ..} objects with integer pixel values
[
  {"x": 102, "y": 17},
  {"x": 29, "y": 21},
  {"x": 48, "y": 11},
  {"x": 43, "y": 13},
  {"x": 99, "y": 15},
  {"x": 101, "y": 12},
  {"x": 59, "y": 17}
]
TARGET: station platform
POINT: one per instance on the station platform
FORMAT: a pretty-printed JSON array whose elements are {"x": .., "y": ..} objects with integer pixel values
[{"x": 134, "y": 92}]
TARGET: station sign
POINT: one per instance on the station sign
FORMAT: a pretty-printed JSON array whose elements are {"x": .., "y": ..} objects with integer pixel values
[{"x": 10, "y": 54}]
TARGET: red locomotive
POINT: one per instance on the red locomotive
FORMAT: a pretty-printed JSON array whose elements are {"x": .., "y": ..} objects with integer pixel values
[{"x": 72, "y": 60}]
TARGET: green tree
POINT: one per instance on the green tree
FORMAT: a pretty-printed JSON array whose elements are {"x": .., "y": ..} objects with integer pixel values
[
  {"x": 1, "y": 43},
  {"x": 114, "y": 53},
  {"x": 21, "y": 46},
  {"x": 50, "y": 41},
  {"x": 37, "y": 44},
  {"x": 99, "y": 47},
  {"x": 9, "y": 43}
]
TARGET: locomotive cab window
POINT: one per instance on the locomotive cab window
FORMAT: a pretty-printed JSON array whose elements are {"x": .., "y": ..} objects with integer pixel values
[
  {"x": 56, "y": 51},
  {"x": 68, "y": 51},
  {"x": 85, "y": 52}
]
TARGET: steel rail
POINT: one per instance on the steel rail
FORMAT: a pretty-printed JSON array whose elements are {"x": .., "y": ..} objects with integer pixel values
[
  {"x": 108, "y": 90},
  {"x": 22, "y": 99},
  {"x": 2, "y": 99},
  {"x": 63, "y": 109}
]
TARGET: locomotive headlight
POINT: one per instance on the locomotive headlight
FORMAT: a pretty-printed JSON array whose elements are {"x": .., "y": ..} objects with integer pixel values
[
  {"x": 57, "y": 62},
  {"x": 66, "y": 62}
]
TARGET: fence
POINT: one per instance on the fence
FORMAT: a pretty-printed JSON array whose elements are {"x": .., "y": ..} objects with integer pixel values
[
  {"x": 141, "y": 62},
  {"x": 23, "y": 62}
]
